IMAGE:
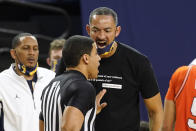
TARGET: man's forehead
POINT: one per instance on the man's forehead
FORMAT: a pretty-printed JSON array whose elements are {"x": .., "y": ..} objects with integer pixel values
[
  {"x": 28, "y": 40},
  {"x": 25, "y": 37},
  {"x": 56, "y": 51},
  {"x": 102, "y": 22},
  {"x": 103, "y": 18}
]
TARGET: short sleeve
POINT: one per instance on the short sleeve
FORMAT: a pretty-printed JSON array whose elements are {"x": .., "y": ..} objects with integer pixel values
[
  {"x": 149, "y": 86},
  {"x": 83, "y": 96},
  {"x": 41, "y": 116},
  {"x": 176, "y": 82}
]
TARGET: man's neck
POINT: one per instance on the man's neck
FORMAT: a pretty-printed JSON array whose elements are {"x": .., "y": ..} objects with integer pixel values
[
  {"x": 21, "y": 74},
  {"x": 80, "y": 69}
]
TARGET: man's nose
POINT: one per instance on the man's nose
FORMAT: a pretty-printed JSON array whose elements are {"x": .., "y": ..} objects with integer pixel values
[
  {"x": 31, "y": 52},
  {"x": 101, "y": 35}
]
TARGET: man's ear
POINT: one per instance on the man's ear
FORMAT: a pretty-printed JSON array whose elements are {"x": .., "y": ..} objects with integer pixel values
[
  {"x": 88, "y": 29},
  {"x": 118, "y": 29},
  {"x": 48, "y": 61},
  {"x": 85, "y": 58},
  {"x": 13, "y": 53}
]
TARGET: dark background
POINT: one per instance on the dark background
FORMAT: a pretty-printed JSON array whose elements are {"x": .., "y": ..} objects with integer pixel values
[{"x": 163, "y": 30}]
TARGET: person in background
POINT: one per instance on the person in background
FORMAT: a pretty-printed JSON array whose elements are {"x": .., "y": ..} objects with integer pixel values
[
  {"x": 21, "y": 86},
  {"x": 68, "y": 102},
  {"x": 125, "y": 73},
  {"x": 55, "y": 53},
  {"x": 180, "y": 101}
]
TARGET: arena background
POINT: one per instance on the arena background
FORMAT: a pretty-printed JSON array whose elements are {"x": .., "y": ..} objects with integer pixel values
[{"x": 163, "y": 30}]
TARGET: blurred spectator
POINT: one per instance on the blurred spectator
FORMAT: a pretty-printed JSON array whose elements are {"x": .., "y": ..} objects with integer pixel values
[{"x": 55, "y": 53}]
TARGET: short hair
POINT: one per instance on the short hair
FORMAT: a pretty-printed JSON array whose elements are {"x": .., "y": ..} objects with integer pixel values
[
  {"x": 17, "y": 39},
  {"x": 74, "y": 48},
  {"x": 56, "y": 44},
  {"x": 104, "y": 11}
]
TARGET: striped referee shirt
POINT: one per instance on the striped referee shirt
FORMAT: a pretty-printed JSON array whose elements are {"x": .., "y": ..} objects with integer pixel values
[{"x": 68, "y": 89}]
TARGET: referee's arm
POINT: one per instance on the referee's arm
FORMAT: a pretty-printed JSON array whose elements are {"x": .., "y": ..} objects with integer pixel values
[
  {"x": 72, "y": 119},
  {"x": 41, "y": 122},
  {"x": 41, "y": 125}
]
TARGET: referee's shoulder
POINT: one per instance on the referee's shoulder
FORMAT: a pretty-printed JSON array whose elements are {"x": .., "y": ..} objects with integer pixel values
[{"x": 82, "y": 83}]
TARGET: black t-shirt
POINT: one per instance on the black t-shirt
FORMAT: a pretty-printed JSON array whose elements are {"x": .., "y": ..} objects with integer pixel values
[
  {"x": 68, "y": 89},
  {"x": 125, "y": 74}
]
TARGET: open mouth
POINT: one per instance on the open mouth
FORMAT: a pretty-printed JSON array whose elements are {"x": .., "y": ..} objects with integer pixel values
[{"x": 101, "y": 44}]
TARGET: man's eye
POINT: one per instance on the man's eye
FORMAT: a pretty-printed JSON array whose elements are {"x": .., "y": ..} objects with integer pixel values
[
  {"x": 94, "y": 30},
  {"x": 107, "y": 30},
  {"x": 25, "y": 48}
]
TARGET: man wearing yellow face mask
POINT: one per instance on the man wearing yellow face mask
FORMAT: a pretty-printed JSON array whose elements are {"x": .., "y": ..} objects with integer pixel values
[
  {"x": 125, "y": 73},
  {"x": 21, "y": 86},
  {"x": 55, "y": 53}
]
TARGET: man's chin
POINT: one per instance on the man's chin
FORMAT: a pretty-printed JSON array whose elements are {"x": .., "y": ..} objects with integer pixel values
[
  {"x": 30, "y": 65},
  {"x": 92, "y": 77}
]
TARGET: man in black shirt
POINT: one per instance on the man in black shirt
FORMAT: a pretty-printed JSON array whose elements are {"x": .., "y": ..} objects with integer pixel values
[
  {"x": 125, "y": 73},
  {"x": 68, "y": 102}
]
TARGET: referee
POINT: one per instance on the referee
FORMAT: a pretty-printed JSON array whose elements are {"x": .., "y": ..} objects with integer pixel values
[{"x": 68, "y": 102}]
